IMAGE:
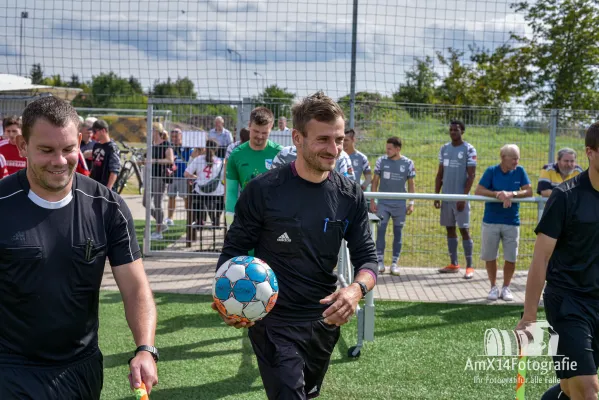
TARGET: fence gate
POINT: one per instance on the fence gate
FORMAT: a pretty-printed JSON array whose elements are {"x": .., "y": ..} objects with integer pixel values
[{"x": 181, "y": 220}]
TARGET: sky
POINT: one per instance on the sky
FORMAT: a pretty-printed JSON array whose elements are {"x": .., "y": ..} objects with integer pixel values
[{"x": 234, "y": 48}]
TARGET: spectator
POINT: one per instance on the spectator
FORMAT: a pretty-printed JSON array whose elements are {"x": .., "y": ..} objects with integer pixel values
[
  {"x": 282, "y": 136},
  {"x": 207, "y": 171},
  {"x": 392, "y": 172},
  {"x": 8, "y": 147},
  {"x": 87, "y": 141},
  {"x": 106, "y": 156},
  {"x": 553, "y": 174},
  {"x": 288, "y": 154},
  {"x": 244, "y": 136},
  {"x": 250, "y": 159},
  {"x": 3, "y": 169},
  {"x": 179, "y": 186},
  {"x": 501, "y": 221},
  {"x": 359, "y": 160},
  {"x": 162, "y": 160},
  {"x": 221, "y": 136},
  {"x": 455, "y": 175}
]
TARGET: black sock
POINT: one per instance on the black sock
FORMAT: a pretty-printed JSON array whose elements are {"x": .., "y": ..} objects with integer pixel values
[{"x": 555, "y": 393}]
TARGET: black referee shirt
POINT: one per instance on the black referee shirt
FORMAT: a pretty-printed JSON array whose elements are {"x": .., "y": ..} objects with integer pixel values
[
  {"x": 52, "y": 258},
  {"x": 571, "y": 216},
  {"x": 297, "y": 226}
]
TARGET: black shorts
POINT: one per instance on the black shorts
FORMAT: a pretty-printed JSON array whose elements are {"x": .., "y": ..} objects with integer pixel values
[
  {"x": 293, "y": 358},
  {"x": 576, "y": 321},
  {"x": 83, "y": 380}
]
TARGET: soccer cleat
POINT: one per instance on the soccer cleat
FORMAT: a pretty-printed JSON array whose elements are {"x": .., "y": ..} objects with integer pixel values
[
  {"x": 394, "y": 269},
  {"x": 469, "y": 273},
  {"x": 381, "y": 268},
  {"x": 493, "y": 294},
  {"x": 506, "y": 294},
  {"x": 450, "y": 269}
]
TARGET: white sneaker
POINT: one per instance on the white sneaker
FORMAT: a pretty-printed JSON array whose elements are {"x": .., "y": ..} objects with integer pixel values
[
  {"x": 394, "y": 269},
  {"x": 381, "y": 268},
  {"x": 493, "y": 294},
  {"x": 506, "y": 294},
  {"x": 169, "y": 222},
  {"x": 156, "y": 236}
]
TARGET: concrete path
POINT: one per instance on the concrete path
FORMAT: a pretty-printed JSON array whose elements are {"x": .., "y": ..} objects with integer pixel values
[{"x": 194, "y": 276}]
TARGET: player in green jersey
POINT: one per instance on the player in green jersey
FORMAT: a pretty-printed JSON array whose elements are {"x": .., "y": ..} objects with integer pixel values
[{"x": 250, "y": 159}]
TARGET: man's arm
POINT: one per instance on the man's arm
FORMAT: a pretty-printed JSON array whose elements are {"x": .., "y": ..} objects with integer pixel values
[
  {"x": 525, "y": 191},
  {"x": 367, "y": 180},
  {"x": 374, "y": 188},
  {"x": 471, "y": 171},
  {"x": 544, "y": 246},
  {"x": 483, "y": 191},
  {"x": 544, "y": 186},
  {"x": 244, "y": 233},
  {"x": 125, "y": 258},
  {"x": 548, "y": 231},
  {"x": 111, "y": 180},
  {"x": 363, "y": 257},
  {"x": 546, "y": 192}
]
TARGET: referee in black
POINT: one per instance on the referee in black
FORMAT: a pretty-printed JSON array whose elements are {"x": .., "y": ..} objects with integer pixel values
[
  {"x": 566, "y": 254},
  {"x": 295, "y": 218},
  {"x": 58, "y": 228}
]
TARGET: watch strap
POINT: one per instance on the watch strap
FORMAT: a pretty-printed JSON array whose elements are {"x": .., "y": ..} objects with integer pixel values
[
  {"x": 363, "y": 288},
  {"x": 150, "y": 349}
]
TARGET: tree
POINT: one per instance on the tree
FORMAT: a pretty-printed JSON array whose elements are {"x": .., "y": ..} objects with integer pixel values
[
  {"x": 277, "y": 99},
  {"x": 563, "y": 53},
  {"x": 420, "y": 84},
  {"x": 108, "y": 90},
  {"x": 74, "y": 81},
  {"x": 182, "y": 87},
  {"x": 37, "y": 75}
]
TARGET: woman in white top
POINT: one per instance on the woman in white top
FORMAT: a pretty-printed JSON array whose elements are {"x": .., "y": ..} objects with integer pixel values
[{"x": 208, "y": 190}]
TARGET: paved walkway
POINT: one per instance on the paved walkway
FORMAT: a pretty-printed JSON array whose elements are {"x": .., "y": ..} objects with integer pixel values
[{"x": 194, "y": 276}]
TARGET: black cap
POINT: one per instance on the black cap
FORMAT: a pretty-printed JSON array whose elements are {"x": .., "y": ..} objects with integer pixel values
[{"x": 100, "y": 124}]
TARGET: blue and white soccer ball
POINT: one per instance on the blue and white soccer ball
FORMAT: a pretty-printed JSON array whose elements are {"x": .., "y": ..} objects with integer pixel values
[{"x": 245, "y": 288}]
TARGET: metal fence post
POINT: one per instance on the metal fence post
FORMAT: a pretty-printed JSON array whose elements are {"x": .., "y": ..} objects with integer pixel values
[
  {"x": 148, "y": 179},
  {"x": 354, "y": 43},
  {"x": 552, "y": 135}
]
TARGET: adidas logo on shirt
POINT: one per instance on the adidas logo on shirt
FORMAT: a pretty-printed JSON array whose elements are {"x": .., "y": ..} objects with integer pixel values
[{"x": 284, "y": 238}]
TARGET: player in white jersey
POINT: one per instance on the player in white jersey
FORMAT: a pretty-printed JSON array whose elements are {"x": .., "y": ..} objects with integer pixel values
[
  {"x": 358, "y": 159},
  {"x": 457, "y": 169}
]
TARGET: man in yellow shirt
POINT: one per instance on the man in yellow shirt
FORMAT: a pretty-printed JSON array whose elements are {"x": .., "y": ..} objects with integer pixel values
[{"x": 553, "y": 174}]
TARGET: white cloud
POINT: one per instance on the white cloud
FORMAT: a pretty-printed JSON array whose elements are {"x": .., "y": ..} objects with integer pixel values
[{"x": 302, "y": 45}]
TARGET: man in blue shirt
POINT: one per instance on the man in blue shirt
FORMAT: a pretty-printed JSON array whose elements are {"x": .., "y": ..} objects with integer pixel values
[{"x": 501, "y": 221}]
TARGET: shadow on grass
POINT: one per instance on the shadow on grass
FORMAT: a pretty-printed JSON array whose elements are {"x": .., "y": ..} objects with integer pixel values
[
  {"x": 237, "y": 385},
  {"x": 449, "y": 314}
]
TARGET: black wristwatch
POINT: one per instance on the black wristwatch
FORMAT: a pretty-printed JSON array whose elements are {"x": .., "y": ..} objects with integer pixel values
[
  {"x": 363, "y": 288},
  {"x": 150, "y": 349}
]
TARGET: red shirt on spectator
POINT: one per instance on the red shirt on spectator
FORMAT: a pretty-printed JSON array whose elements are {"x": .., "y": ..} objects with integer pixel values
[
  {"x": 14, "y": 161},
  {"x": 3, "y": 170}
]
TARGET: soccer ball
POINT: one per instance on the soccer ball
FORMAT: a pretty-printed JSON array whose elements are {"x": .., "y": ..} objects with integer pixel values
[{"x": 245, "y": 288}]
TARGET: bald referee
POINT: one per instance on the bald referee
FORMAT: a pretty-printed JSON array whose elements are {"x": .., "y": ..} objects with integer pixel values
[
  {"x": 58, "y": 228},
  {"x": 566, "y": 254}
]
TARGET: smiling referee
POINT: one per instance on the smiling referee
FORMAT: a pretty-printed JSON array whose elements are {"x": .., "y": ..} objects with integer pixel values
[{"x": 58, "y": 228}]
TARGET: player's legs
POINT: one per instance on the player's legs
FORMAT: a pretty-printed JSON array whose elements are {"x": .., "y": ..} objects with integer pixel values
[
  {"x": 490, "y": 236},
  {"x": 318, "y": 355},
  {"x": 280, "y": 358},
  {"x": 511, "y": 237},
  {"x": 448, "y": 220},
  {"x": 217, "y": 205},
  {"x": 463, "y": 222},
  {"x": 575, "y": 321},
  {"x": 83, "y": 380},
  {"x": 158, "y": 187},
  {"x": 399, "y": 218},
  {"x": 384, "y": 214}
]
